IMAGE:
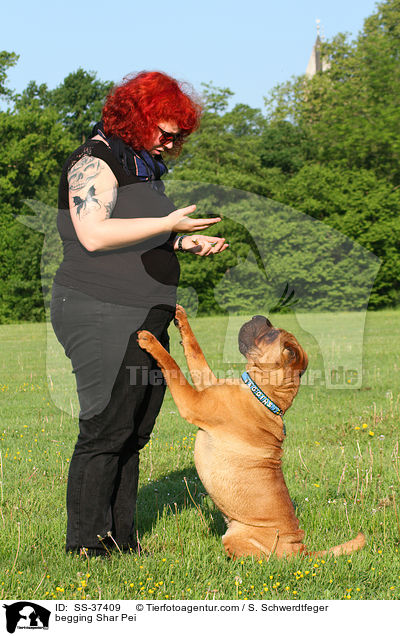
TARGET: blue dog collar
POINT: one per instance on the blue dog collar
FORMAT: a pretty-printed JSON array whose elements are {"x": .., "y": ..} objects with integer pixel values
[{"x": 261, "y": 397}]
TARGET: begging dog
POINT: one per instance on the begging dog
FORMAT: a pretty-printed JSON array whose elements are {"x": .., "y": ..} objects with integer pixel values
[{"x": 238, "y": 448}]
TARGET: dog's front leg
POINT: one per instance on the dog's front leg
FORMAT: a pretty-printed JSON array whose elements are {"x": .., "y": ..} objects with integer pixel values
[
  {"x": 189, "y": 401},
  {"x": 200, "y": 372}
]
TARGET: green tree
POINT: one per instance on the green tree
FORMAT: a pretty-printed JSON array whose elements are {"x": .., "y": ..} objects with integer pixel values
[
  {"x": 7, "y": 60},
  {"x": 350, "y": 111},
  {"x": 38, "y": 135},
  {"x": 226, "y": 149},
  {"x": 33, "y": 95},
  {"x": 360, "y": 205},
  {"x": 278, "y": 258},
  {"x": 285, "y": 146},
  {"x": 79, "y": 101},
  {"x": 33, "y": 150}
]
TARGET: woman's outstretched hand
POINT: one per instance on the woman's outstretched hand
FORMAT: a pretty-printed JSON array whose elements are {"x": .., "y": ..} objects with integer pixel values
[{"x": 180, "y": 221}]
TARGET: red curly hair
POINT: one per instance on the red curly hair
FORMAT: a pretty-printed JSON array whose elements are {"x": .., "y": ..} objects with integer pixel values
[{"x": 134, "y": 108}]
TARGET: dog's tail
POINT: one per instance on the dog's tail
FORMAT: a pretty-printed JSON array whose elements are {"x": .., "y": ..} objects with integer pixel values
[{"x": 344, "y": 548}]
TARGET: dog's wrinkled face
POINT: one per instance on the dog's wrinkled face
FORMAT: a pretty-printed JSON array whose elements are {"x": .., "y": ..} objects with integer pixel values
[{"x": 271, "y": 349}]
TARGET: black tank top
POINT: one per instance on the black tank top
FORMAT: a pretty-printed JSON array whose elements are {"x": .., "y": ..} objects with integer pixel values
[{"x": 145, "y": 274}]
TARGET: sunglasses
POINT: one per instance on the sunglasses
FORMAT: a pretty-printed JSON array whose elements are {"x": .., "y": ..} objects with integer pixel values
[{"x": 167, "y": 137}]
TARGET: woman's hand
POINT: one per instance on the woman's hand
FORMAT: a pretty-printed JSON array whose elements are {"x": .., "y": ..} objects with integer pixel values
[
  {"x": 180, "y": 221},
  {"x": 203, "y": 245}
]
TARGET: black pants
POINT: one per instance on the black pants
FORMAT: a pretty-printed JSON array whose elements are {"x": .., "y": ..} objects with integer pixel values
[{"x": 104, "y": 468}]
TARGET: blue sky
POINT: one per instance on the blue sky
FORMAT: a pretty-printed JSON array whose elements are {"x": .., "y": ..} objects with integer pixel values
[{"x": 248, "y": 46}]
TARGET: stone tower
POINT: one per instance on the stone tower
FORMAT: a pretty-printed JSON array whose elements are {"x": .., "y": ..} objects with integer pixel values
[{"x": 316, "y": 64}]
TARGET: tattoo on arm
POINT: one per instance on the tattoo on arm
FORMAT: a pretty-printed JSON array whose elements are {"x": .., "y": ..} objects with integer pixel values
[
  {"x": 83, "y": 173},
  {"x": 86, "y": 205},
  {"x": 83, "y": 185}
]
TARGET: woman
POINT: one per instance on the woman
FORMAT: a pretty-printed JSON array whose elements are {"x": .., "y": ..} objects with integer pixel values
[{"x": 119, "y": 274}]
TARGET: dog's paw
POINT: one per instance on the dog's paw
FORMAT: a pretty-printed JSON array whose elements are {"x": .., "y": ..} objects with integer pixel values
[
  {"x": 180, "y": 316},
  {"x": 145, "y": 339}
]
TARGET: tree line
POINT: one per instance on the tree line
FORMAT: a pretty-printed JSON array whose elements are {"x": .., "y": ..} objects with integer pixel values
[{"x": 309, "y": 191}]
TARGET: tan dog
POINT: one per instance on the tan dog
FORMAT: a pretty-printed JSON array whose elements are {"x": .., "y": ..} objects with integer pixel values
[{"x": 239, "y": 443}]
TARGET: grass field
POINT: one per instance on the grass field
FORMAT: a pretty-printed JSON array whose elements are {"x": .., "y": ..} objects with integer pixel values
[{"x": 341, "y": 465}]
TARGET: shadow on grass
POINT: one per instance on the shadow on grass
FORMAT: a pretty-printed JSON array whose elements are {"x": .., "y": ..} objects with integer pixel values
[
  {"x": 159, "y": 497},
  {"x": 172, "y": 494}
]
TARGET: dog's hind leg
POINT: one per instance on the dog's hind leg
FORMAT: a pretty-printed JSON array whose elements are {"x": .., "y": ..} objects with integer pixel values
[
  {"x": 241, "y": 540},
  {"x": 261, "y": 541},
  {"x": 200, "y": 372}
]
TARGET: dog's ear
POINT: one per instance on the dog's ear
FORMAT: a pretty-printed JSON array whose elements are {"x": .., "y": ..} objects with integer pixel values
[
  {"x": 251, "y": 331},
  {"x": 295, "y": 356}
]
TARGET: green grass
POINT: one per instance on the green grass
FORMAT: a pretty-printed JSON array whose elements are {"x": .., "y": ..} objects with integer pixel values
[{"x": 341, "y": 465}]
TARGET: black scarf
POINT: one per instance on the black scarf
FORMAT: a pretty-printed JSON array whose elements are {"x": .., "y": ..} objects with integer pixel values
[{"x": 142, "y": 164}]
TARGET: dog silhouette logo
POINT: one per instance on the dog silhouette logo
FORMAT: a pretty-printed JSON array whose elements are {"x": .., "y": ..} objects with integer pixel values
[{"x": 26, "y": 615}]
